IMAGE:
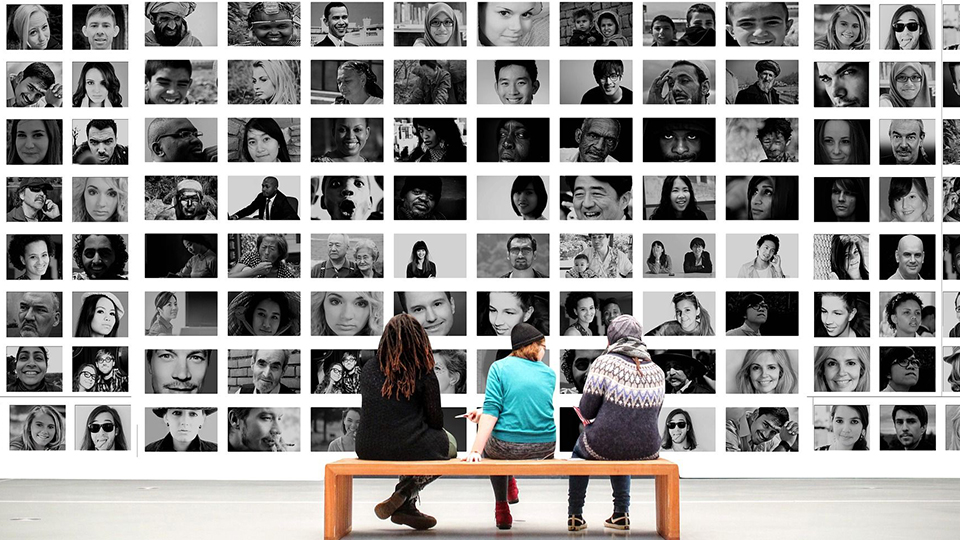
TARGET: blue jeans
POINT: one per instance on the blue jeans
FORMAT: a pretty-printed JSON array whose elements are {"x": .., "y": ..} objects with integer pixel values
[{"x": 578, "y": 489}]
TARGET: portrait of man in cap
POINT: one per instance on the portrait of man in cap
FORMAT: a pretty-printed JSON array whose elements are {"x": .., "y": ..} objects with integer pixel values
[
  {"x": 170, "y": 25},
  {"x": 683, "y": 373},
  {"x": 762, "y": 91},
  {"x": 189, "y": 203},
  {"x": 34, "y": 203}
]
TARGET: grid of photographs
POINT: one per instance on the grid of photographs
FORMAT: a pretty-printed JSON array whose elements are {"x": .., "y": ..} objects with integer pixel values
[{"x": 566, "y": 195}]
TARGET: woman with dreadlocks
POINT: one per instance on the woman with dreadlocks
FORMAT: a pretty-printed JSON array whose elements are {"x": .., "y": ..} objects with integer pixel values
[{"x": 402, "y": 418}]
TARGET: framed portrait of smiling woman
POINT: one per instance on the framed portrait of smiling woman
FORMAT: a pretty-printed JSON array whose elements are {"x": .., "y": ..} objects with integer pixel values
[
  {"x": 38, "y": 427},
  {"x": 34, "y": 369}
]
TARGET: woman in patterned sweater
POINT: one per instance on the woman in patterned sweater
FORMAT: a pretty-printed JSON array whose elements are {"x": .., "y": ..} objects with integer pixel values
[{"x": 624, "y": 388}]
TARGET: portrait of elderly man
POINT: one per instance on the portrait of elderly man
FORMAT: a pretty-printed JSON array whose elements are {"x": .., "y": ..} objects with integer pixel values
[
  {"x": 609, "y": 91},
  {"x": 906, "y": 144},
  {"x": 336, "y": 17},
  {"x": 29, "y": 372},
  {"x": 267, "y": 368},
  {"x": 183, "y": 430},
  {"x": 522, "y": 254},
  {"x": 37, "y": 314},
  {"x": 177, "y": 371},
  {"x": 256, "y": 430},
  {"x": 909, "y": 257},
  {"x": 683, "y": 83},
  {"x": 336, "y": 265},
  {"x": 679, "y": 140},
  {"x": 517, "y": 139},
  {"x": 419, "y": 197},
  {"x": 267, "y": 260},
  {"x": 35, "y": 86},
  {"x": 190, "y": 202},
  {"x": 269, "y": 204},
  {"x": 767, "y": 429},
  {"x": 683, "y": 373},
  {"x": 846, "y": 84},
  {"x": 34, "y": 203},
  {"x": 601, "y": 197},
  {"x": 169, "y": 20},
  {"x": 762, "y": 92},
  {"x": 101, "y": 146},
  {"x": 172, "y": 140},
  {"x": 99, "y": 256},
  {"x": 596, "y": 139},
  {"x": 350, "y": 198}
]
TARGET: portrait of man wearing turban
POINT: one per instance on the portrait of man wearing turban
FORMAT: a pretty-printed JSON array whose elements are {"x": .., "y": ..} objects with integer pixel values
[
  {"x": 762, "y": 91},
  {"x": 170, "y": 25}
]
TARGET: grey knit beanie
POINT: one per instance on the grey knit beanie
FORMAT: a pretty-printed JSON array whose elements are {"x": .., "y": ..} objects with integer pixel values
[
  {"x": 524, "y": 334},
  {"x": 624, "y": 326}
]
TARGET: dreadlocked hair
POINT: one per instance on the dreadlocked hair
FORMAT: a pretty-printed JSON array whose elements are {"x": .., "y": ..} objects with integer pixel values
[{"x": 404, "y": 354}]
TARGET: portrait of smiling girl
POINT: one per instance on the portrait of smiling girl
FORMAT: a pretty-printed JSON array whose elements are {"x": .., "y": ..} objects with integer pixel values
[
  {"x": 42, "y": 429},
  {"x": 511, "y": 24}
]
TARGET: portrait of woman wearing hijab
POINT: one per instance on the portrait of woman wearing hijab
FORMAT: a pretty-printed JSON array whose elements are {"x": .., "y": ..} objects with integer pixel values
[
  {"x": 440, "y": 28},
  {"x": 908, "y": 86}
]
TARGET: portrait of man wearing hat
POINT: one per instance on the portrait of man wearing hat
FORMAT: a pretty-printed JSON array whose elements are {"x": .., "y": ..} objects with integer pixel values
[
  {"x": 419, "y": 198},
  {"x": 170, "y": 25},
  {"x": 683, "y": 373},
  {"x": 34, "y": 204},
  {"x": 183, "y": 430},
  {"x": 189, "y": 202},
  {"x": 762, "y": 92}
]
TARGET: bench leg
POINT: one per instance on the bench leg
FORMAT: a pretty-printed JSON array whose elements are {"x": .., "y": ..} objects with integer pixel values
[
  {"x": 668, "y": 505},
  {"x": 337, "y": 505}
]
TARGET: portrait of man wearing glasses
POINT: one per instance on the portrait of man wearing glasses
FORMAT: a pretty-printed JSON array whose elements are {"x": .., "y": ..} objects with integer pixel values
[
  {"x": 177, "y": 140},
  {"x": 900, "y": 367},
  {"x": 522, "y": 253}
]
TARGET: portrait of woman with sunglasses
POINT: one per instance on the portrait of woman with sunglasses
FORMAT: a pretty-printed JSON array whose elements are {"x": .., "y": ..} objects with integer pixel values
[
  {"x": 678, "y": 433},
  {"x": 908, "y": 30},
  {"x": 103, "y": 430}
]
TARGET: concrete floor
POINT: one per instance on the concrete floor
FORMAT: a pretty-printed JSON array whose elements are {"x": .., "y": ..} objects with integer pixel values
[{"x": 710, "y": 509}]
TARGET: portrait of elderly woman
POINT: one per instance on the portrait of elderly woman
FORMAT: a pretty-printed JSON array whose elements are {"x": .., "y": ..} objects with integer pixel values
[
  {"x": 265, "y": 255},
  {"x": 430, "y": 140},
  {"x": 33, "y": 256},
  {"x": 99, "y": 256},
  {"x": 263, "y": 313},
  {"x": 182, "y": 427},
  {"x": 181, "y": 198},
  {"x": 38, "y": 428},
  {"x": 517, "y": 140},
  {"x": 346, "y": 140},
  {"x": 679, "y": 140},
  {"x": 263, "y": 24},
  {"x": 264, "y": 140},
  {"x": 341, "y": 313},
  {"x": 34, "y": 369},
  {"x": 263, "y": 82}
]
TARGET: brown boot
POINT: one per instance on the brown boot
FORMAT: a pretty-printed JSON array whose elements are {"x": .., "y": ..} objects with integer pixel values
[{"x": 408, "y": 515}]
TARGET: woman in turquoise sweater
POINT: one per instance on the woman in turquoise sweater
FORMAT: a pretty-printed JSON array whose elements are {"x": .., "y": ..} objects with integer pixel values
[{"x": 517, "y": 417}]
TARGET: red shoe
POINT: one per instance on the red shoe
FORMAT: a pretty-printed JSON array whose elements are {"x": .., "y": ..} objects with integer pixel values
[
  {"x": 504, "y": 519},
  {"x": 513, "y": 493}
]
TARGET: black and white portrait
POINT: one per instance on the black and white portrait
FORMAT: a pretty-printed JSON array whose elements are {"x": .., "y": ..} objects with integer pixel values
[
  {"x": 100, "y": 314},
  {"x": 101, "y": 369},
  {"x": 346, "y": 313},
  {"x": 679, "y": 140},
  {"x": 575, "y": 366},
  {"x": 763, "y": 256},
  {"x": 101, "y": 427},
  {"x": 841, "y": 369},
  {"x": 908, "y": 84},
  {"x": 951, "y": 369},
  {"x": 263, "y": 82},
  {"x": 180, "y": 256},
  {"x": 34, "y": 256},
  {"x": 430, "y": 140},
  {"x": 762, "y": 371},
  {"x": 268, "y": 198},
  {"x": 346, "y": 24},
  {"x": 691, "y": 429},
  {"x": 263, "y": 371},
  {"x": 765, "y": 313},
  {"x": 513, "y": 82},
  {"x": 951, "y": 196},
  {"x": 422, "y": 24},
  {"x": 498, "y": 312},
  {"x": 100, "y": 199},
  {"x": 763, "y": 140},
  {"x": 34, "y": 142},
  {"x": 519, "y": 255},
  {"x": 100, "y": 27},
  {"x": 441, "y": 313},
  {"x": 180, "y": 82},
  {"x": 679, "y": 82},
  {"x": 418, "y": 198},
  {"x": 908, "y": 142},
  {"x": 841, "y": 142},
  {"x": 346, "y": 82},
  {"x": 513, "y": 24},
  {"x": 180, "y": 313},
  {"x": 264, "y": 24},
  {"x": 766, "y": 198},
  {"x": 587, "y": 313},
  {"x": 596, "y": 140},
  {"x": 908, "y": 427},
  {"x": 514, "y": 198},
  {"x": 33, "y": 199},
  {"x": 35, "y": 314},
  {"x": 264, "y": 255},
  {"x": 513, "y": 140},
  {"x": 906, "y": 199},
  {"x": 429, "y": 82},
  {"x": 263, "y": 313},
  {"x": 178, "y": 140},
  {"x": 688, "y": 371},
  {"x": 841, "y": 199},
  {"x": 841, "y": 427},
  {"x": 34, "y": 368},
  {"x": 337, "y": 371},
  {"x": 905, "y": 27},
  {"x": 903, "y": 256},
  {"x": 683, "y": 314},
  {"x": 101, "y": 84},
  {"x": 908, "y": 369},
  {"x": 597, "y": 24},
  {"x": 181, "y": 198},
  {"x": 180, "y": 371},
  {"x": 267, "y": 429},
  {"x": 841, "y": 27},
  {"x": 334, "y": 429},
  {"x": 100, "y": 256},
  {"x": 38, "y": 427},
  {"x": 346, "y": 140},
  {"x": 100, "y": 142},
  {"x": 763, "y": 24},
  {"x": 418, "y": 256},
  {"x": 596, "y": 197},
  {"x": 844, "y": 84},
  {"x": 338, "y": 255},
  {"x": 180, "y": 24},
  {"x": 901, "y": 314},
  {"x": 841, "y": 314},
  {"x": 34, "y": 27},
  {"x": 596, "y": 82},
  {"x": 841, "y": 256},
  {"x": 763, "y": 82},
  {"x": 596, "y": 255},
  {"x": 346, "y": 198},
  {"x": 264, "y": 140},
  {"x": 35, "y": 84},
  {"x": 763, "y": 429},
  {"x": 169, "y": 429},
  {"x": 682, "y": 255},
  {"x": 680, "y": 197},
  {"x": 951, "y": 82}
]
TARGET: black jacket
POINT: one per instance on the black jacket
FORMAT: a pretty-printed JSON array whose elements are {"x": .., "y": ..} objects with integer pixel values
[
  {"x": 752, "y": 95},
  {"x": 282, "y": 209}
]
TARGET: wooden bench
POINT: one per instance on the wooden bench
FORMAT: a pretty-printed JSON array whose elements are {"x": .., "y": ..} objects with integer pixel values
[{"x": 338, "y": 482}]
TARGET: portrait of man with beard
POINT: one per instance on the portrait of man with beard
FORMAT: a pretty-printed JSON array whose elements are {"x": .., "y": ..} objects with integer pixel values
[
  {"x": 762, "y": 91},
  {"x": 683, "y": 83},
  {"x": 170, "y": 25},
  {"x": 419, "y": 198},
  {"x": 679, "y": 140}
]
